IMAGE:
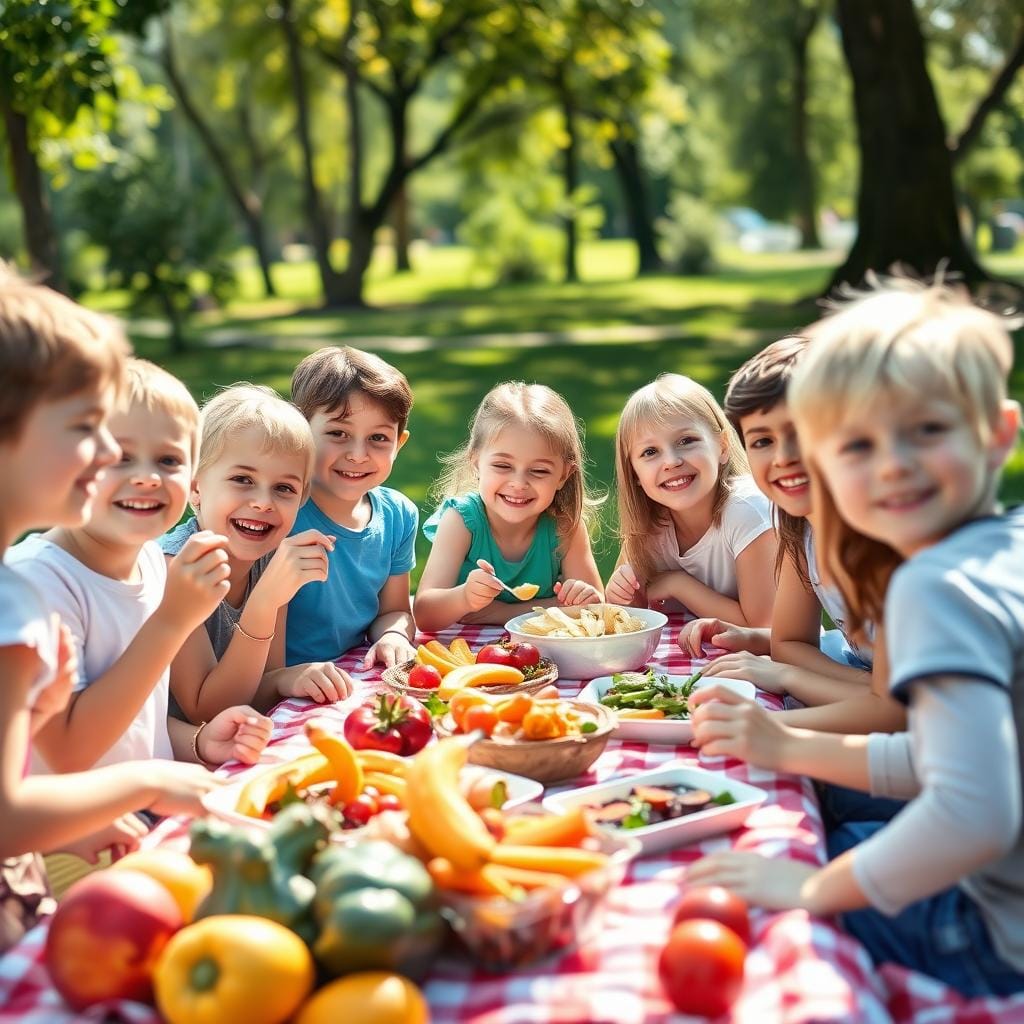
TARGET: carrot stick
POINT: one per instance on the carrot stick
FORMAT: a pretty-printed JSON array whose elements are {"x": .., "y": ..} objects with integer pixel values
[
  {"x": 569, "y": 829},
  {"x": 560, "y": 860}
]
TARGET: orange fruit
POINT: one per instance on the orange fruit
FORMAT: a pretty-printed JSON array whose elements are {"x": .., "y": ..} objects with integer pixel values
[
  {"x": 370, "y": 997},
  {"x": 187, "y": 881}
]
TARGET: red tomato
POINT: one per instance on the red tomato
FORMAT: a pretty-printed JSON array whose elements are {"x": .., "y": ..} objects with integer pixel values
[
  {"x": 713, "y": 903},
  {"x": 494, "y": 654},
  {"x": 524, "y": 655},
  {"x": 397, "y": 724},
  {"x": 360, "y": 810},
  {"x": 701, "y": 967},
  {"x": 426, "y": 677},
  {"x": 389, "y": 802}
]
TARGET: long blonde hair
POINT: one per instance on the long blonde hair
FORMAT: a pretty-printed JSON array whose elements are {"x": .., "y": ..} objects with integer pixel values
[
  {"x": 897, "y": 341},
  {"x": 668, "y": 399},
  {"x": 534, "y": 407}
]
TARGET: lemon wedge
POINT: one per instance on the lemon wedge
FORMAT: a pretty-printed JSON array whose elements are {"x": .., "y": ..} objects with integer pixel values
[{"x": 525, "y": 591}]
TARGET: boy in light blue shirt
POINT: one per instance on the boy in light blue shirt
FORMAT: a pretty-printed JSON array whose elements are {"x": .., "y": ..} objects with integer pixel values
[{"x": 358, "y": 407}]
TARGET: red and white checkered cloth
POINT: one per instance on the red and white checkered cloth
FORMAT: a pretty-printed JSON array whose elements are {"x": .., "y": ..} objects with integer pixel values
[{"x": 799, "y": 969}]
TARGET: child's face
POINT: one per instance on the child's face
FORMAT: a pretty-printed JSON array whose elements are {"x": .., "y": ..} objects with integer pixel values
[
  {"x": 250, "y": 495},
  {"x": 677, "y": 465},
  {"x": 519, "y": 474},
  {"x": 354, "y": 451},
  {"x": 144, "y": 494},
  {"x": 908, "y": 475},
  {"x": 773, "y": 452}
]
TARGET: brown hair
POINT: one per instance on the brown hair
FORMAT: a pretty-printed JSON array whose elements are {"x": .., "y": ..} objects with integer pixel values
[
  {"x": 535, "y": 407},
  {"x": 759, "y": 385},
  {"x": 50, "y": 348},
  {"x": 327, "y": 379},
  {"x": 898, "y": 340},
  {"x": 666, "y": 399},
  {"x": 155, "y": 389}
]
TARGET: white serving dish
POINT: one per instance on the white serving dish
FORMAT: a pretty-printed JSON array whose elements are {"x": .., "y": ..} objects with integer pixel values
[
  {"x": 661, "y": 730},
  {"x": 586, "y": 657},
  {"x": 665, "y": 835},
  {"x": 223, "y": 801}
]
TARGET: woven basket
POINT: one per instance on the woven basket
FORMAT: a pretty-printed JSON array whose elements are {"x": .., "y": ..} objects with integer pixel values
[
  {"x": 396, "y": 679},
  {"x": 543, "y": 760}
]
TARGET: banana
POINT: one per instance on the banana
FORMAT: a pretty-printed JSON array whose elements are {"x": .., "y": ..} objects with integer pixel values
[
  {"x": 439, "y": 815},
  {"x": 382, "y": 761},
  {"x": 269, "y": 785},
  {"x": 461, "y": 652},
  {"x": 388, "y": 784},
  {"x": 342, "y": 757},
  {"x": 478, "y": 675},
  {"x": 425, "y": 656}
]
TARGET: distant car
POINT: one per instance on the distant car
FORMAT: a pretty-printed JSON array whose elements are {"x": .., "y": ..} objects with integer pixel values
[{"x": 754, "y": 233}]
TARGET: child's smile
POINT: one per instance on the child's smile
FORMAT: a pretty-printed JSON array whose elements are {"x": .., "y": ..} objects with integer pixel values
[{"x": 773, "y": 451}]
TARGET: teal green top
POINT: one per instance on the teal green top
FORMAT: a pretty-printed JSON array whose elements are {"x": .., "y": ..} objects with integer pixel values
[{"x": 542, "y": 564}]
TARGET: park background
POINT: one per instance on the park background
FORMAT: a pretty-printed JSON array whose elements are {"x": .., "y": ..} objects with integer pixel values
[{"x": 583, "y": 193}]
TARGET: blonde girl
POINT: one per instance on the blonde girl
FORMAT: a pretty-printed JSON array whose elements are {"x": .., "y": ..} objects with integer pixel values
[
  {"x": 902, "y": 413},
  {"x": 253, "y": 473},
  {"x": 515, "y": 505},
  {"x": 694, "y": 528}
]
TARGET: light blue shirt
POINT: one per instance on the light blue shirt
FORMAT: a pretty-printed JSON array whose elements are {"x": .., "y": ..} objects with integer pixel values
[{"x": 327, "y": 619}]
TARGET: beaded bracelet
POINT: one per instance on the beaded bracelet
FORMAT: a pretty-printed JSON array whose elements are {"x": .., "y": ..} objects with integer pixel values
[{"x": 249, "y": 636}]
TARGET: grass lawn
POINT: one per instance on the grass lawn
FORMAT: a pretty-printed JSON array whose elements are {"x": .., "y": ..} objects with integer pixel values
[{"x": 711, "y": 324}]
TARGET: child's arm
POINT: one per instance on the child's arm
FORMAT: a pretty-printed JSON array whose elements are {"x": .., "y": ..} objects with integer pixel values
[
  {"x": 581, "y": 582},
  {"x": 623, "y": 586},
  {"x": 393, "y": 631},
  {"x": 100, "y": 714},
  {"x": 202, "y": 685},
  {"x": 235, "y": 734},
  {"x": 46, "y": 812},
  {"x": 54, "y": 697},
  {"x": 754, "y": 586},
  {"x": 439, "y": 602}
]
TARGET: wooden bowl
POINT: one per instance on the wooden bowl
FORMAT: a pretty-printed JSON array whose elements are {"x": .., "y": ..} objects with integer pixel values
[
  {"x": 543, "y": 760},
  {"x": 396, "y": 679}
]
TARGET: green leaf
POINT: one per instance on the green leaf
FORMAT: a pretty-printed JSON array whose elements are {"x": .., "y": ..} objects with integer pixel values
[
  {"x": 724, "y": 798},
  {"x": 435, "y": 706}
]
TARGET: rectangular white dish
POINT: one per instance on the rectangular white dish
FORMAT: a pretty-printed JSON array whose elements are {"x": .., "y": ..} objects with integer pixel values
[
  {"x": 690, "y": 828},
  {"x": 660, "y": 730}
]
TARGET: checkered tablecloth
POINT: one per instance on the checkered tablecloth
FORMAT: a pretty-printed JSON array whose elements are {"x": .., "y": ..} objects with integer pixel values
[{"x": 799, "y": 969}]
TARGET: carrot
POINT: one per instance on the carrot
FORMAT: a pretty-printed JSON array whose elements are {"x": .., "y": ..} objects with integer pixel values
[
  {"x": 524, "y": 877},
  {"x": 477, "y": 883},
  {"x": 559, "y": 860},
  {"x": 569, "y": 829}
]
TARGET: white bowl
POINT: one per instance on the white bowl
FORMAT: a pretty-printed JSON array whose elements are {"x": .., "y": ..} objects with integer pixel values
[
  {"x": 661, "y": 730},
  {"x": 677, "y": 831},
  {"x": 584, "y": 657}
]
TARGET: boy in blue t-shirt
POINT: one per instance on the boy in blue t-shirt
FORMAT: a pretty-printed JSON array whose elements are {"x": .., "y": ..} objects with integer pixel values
[{"x": 358, "y": 407}]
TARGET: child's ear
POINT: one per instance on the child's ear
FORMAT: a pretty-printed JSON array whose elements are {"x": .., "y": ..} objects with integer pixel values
[
  {"x": 193, "y": 495},
  {"x": 402, "y": 438},
  {"x": 566, "y": 473},
  {"x": 1004, "y": 437}
]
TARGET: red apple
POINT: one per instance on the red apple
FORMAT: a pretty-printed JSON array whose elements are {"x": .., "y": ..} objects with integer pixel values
[
  {"x": 524, "y": 655},
  {"x": 494, "y": 654},
  {"x": 426, "y": 677},
  {"x": 106, "y": 936}
]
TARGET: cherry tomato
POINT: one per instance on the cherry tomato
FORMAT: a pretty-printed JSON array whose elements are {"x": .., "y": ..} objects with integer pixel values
[
  {"x": 397, "y": 724},
  {"x": 389, "y": 802},
  {"x": 480, "y": 716},
  {"x": 524, "y": 655},
  {"x": 494, "y": 654},
  {"x": 701, "y": 967},
  {"x": 713, "y": 903},
  {"x": 426, "y": 677},
  {"x": 360, "y": 810}
]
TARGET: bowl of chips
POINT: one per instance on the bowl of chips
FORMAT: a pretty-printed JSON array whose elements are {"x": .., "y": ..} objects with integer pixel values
[{"x": 591, "y": 640}]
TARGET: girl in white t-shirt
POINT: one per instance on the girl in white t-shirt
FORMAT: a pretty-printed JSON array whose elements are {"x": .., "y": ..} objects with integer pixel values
[{"x": 695, "y": 530}]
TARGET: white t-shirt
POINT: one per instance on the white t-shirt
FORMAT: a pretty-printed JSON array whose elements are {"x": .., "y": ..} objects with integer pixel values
[
  {"x": 103, "y": 615},
  {"x": 25, "y": 621},
  {"x": 712, "y": 560}
]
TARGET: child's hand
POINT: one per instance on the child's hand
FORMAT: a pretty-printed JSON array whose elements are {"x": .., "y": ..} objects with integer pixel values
[
  {"x": 179, "y": 787},
  {"x": 390, "y": 649},
  {"x": 773, "y": 882},
  {"x": 755, "y": 668},
  {"x": 573, "y": 592},
  {"x": 54, "y": 697},
  {"x": 728, "y": 725},
  {"x": 197, "y": 580},
  {"x": 481, "y": 587},
  {"x": 663, "y": 586},
  {"x": 623, "y": 586},
  {"x": 119, "y": 837},
  {"x": 299, "y": 560},
  {"x": 715, "y": 633},
  {"x": 238, "y": 734},
  {"x": 320, "y": 681}
]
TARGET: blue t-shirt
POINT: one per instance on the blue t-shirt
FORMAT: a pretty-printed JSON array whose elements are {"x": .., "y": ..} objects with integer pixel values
[
  {"x": 327, "y": 619},
  {"x": 541, "y": 564}
]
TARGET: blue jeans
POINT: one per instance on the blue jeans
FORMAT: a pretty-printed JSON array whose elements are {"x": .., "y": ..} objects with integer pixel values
[
  {"x": 840, "y": 805},
  {"x": 943, "y": 935}
]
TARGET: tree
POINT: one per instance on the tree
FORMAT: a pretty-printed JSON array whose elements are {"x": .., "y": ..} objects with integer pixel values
[{"x": 906, "y": 207}]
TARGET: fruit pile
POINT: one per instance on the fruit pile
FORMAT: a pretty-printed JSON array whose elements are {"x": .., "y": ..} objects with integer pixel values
[
  {"x": 453, "y": 667},
  {"x": 519, "y": 716}
]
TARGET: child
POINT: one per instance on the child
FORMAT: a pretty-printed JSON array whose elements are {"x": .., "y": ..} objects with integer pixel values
[
  {"x": 358, "y": 407},
  {"x": 254, "y": 470},
  {"x": 129, "y": 613},
  {"x": 694, "y": 528},
  {"x": 60, "y": 366},
  {"x": 515, "y": 507},
  {"x": 902, "y": 415}
]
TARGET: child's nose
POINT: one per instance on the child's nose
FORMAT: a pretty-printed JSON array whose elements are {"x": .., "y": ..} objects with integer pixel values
[
  {"x": 264, "y": 502},
  {"x": 146, "y": 478}
]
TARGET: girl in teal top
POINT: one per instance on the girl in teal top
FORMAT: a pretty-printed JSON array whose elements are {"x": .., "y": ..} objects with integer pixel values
[{"x": 515, "y": 507}]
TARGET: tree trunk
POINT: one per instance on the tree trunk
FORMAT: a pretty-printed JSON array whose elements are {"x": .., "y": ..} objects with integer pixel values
[
  {"x": 173, "y": 315},
  {"x": 571, "y": 176},
  {"x": 807, "y": 198},
  {"x": 403, "y": 231},
  {"x": 360, "y": 251},
  {"x": 633, "y": 183},
  {"x": 37, "y": 221},
  {"x": 320, "y": 236},
  {"x": 906, "y": 208}
]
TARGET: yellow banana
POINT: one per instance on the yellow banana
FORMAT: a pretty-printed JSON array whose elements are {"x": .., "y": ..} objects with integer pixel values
[
  {"x": 269, "y": 785},
  {"x": 478, "y": 675},
  {"x": 439, "y": 815},
  {"x": 461, "y": 652},
  {"x": 392, "y": 784},
  {"x": 425, "y": 656},
  {"x": 339, "y": 753},
  {"x": 382, "y": 761}
]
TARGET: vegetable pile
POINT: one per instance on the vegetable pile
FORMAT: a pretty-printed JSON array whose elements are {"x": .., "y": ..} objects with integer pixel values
[{"x": 646, "y": 695}]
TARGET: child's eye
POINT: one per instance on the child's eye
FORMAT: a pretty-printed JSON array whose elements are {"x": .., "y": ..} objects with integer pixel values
[
  {"x": 647, "y": 452},
  {"x": 241, "y": 479},
  {"x": 540, "y": 472},
  {"x": 856, "y": 446},
  {"x": 500, "y": 465},
  {"x": 381, "y": 439},
  {"x": 338, "y": 434},
  {"x": 171, "y": 461},
  {"x": 761, "y": 442},
  {"x": 683, "y": 441},
  {"x": 287, "y": 489},
  {"x": 932, "y": 428}
]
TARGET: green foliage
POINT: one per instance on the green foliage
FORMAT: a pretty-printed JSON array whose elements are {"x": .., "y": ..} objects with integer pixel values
[{"x": 689, "y": 231}]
